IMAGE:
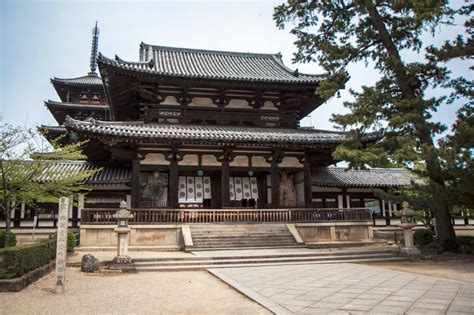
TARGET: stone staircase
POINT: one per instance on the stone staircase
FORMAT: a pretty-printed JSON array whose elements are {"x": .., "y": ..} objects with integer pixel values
[
  {"x": 235, "y": 236},
  {"x": 259, "y": 258}
]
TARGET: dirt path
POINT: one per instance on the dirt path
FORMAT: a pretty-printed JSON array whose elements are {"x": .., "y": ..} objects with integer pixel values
[
  {"x": 455, "y": 269},
  {"x": 158, "y": 293}
]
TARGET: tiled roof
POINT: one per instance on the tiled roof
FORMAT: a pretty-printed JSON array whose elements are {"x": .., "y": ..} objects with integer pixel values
[
  {"x": 53, "y": 129},
  {"x": 375, "y": 177},
  {"x": 156, "y": 132},
  {"x": 108, "y": 175},
  {"x": 91, "y": 107},
  {"x": 209, "y": 64},
  {"x": 91, "y": 79}
]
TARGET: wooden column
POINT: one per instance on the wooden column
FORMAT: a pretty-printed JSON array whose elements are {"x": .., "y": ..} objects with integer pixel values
[
  {"x": 174, "y": 158},
  {"x": 226, "y": 157},
  {"x": 135, "y": 183},
  {"x": 275, "y": 159},
  {"x": 308, "y": 191},
  {"x": 225, "y": 189}
]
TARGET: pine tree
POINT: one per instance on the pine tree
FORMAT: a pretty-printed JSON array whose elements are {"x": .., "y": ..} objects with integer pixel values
[{"x": 336, "y": 33}]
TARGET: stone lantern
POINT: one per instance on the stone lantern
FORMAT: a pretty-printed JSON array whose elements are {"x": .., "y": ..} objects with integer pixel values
[
  {"x": 407, "y": 223},
  {"x": 122, "y": 230}
]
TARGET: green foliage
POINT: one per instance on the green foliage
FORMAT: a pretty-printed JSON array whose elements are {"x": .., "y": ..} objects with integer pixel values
[
  {"x": 460, "y": 245},
  {"x": 18, "y": 260},
  {"x": 26, "y": 170},
  {"x": 71, "y": 241},
  {"x": 2, "y": 239},
  {"x": 423, "y": 237}
]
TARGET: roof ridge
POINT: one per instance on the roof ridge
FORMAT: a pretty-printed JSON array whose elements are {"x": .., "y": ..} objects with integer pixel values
[{"x": 208, "y": 51}]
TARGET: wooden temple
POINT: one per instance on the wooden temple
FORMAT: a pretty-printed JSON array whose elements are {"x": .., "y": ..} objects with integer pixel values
[{"x": 201, "y": 129}]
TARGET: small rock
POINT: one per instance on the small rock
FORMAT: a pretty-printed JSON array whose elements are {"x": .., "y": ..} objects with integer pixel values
[{"x": 89, "y": 263}]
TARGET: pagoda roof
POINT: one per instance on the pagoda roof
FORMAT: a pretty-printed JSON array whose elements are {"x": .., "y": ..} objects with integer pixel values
[
  {"x": 165, "y": 133},
  {"x": 60, "y": 110},
  {"x": 91, "y": 79},
  {"x": 368, "y": 178},
  {"x": 212, "y": 64}
]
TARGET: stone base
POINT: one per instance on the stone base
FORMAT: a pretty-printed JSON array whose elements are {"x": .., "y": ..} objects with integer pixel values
[
  {"x": 410, "y": 251},
  {"x": 123, "y": 259}
]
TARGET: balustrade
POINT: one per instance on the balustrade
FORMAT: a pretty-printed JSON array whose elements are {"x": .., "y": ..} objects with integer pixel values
[{"x": 163, "y": 216}]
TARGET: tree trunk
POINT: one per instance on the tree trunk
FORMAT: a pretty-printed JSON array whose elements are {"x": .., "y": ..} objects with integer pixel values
[
  {"x": 7, "y": 227},
  {"x": 408, "y": 86}
]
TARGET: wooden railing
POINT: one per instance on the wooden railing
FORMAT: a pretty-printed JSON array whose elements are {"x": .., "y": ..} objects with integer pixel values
[{"x": 163, "y": 216}]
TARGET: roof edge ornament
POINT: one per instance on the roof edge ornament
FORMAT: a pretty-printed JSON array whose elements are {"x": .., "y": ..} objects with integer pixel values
[{"x": 94, "y": 49}]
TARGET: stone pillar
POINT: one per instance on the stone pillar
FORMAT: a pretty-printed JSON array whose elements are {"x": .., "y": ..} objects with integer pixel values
[
  {"x": 135, "y": 183},
  {"x": 61, "y": 243}
]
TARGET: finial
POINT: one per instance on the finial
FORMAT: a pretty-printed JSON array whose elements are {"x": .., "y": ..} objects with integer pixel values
[{"x": 95, "y": 48}]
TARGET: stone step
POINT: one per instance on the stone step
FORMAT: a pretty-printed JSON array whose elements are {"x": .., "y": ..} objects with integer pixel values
[
  {"x": 196, "y": 267},
  {"x": 199, "y": 249},
  {"x": 354, "y": 252},
  {"x": 254, "y": 260},
  {"x": 217, "y": 238}
]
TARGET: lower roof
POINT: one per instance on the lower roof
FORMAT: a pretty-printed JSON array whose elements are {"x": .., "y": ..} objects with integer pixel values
[
  {"x": 369, "y": 178},
  {"x": 155, "y": 132},
  {"x": 323, "y": 177}
]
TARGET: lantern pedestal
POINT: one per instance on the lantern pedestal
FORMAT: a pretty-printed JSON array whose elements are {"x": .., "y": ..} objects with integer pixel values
[
  {"x": 122, "y": 230},
  {"x": 409, "y": 249},
  {"x": 122, "y": 246},
  {"x": 407, "y": 218}
]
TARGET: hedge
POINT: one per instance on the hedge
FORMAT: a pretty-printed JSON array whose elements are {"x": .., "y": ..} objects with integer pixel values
[
  {"x": 423, "y": 236},
  {"x": 461, "y": 245},
  {"x": 17, "y": 260},
  {"x": 3, "y": 234}
]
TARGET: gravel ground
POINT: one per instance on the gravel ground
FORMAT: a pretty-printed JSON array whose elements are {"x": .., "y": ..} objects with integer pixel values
[
  {"x": 143, "y": 293},
  {"x": 454, "y": 269}
]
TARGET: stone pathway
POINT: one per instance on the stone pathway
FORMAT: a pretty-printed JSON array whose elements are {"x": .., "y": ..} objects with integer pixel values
[{"x": 349, "y": 289}]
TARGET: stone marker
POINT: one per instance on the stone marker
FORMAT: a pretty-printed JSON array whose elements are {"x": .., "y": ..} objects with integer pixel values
[
  {"x": 89, "y": 263},
  {"x": 61, "y": 243}
]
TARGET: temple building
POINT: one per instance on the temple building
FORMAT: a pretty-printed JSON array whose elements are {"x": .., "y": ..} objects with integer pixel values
[{"x": 187, "y": 129}]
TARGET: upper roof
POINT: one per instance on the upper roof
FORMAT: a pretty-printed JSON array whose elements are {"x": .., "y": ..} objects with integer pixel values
[
  {"x": 91, "y": 79},
  {"x": 140, "y": 132},
  {"x": 210, "y": 64},
  {"x": 374, "y": 177}
]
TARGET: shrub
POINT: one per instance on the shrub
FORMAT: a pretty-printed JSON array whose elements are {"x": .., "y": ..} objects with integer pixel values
[
  {"x": 461, "y": 245},
  {"x": 18, "y": 260},
  {"x": 423, "y": 237},
  {"x": 3, "y": 234},
  {"x": 71, "y": 241}
]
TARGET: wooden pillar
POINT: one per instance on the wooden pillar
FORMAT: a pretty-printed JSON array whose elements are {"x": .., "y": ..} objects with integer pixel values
[
  {"x": 135, "y": 183},
  {"x": 174, "y": 157},
  {"x": 275, "y": 177},
  {"x": 225, "y": 189},
  {"x": 226, "y": 157},
  {"x": 344, "y": 198},
  {"x": 308, "y": 191},
  {"x": 174, "y": 183}
]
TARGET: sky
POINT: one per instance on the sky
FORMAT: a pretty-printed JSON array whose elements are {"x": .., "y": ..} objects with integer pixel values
[{"x": 45, "y": 39}]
